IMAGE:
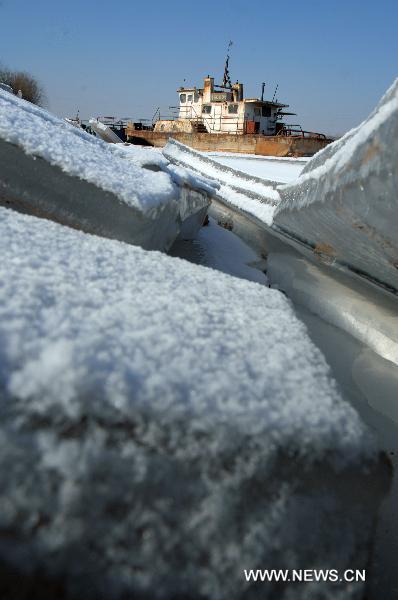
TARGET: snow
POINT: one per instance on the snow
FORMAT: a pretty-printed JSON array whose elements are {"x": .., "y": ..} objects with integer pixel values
[
  {"x": 145, "y": 405},
  {"x": 345, "y": 202},
  {"x": 181, "y": 154},
  {"x": 287, "y": 159},
  {"x": 186, "y": 177},
  {"x": 6, "y": 88},
  {"x": 262, "y": 211},
  {"x": 336, "y": 161},
  {"x": 79, "y": 154},
  {"x": 104, "y": 132},
  {"x": 141, "y": 156},
  {"x": 99, "y": 125},
  {"x": 220, "y": 249},
  {"x": 267, "y": 168},
  {"x": 250, "y": 194},
  {"x": 79, "y": 294}
]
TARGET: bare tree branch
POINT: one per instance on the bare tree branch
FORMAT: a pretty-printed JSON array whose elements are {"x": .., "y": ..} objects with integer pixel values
[{"x": 30, "y": 87}]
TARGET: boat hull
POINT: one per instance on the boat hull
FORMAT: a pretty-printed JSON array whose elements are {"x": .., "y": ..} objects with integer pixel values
[{"x": 244, "y": 143}]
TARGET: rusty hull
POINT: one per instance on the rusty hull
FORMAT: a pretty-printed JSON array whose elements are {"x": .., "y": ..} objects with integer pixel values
[{"x": 225, "y": 142}]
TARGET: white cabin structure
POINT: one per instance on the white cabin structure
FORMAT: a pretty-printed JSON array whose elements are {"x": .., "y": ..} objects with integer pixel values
[{"x": 222, "y": 109}]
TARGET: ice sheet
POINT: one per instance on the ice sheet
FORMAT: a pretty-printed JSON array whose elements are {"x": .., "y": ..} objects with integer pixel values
[
  {"x": 240, "y": 181},
  {"x": 246, "y": 192},
  {"x": 262, "y": 167}
]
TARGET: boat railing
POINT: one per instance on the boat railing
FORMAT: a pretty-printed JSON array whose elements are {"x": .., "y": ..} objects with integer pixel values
[
  {"x": 201, "y": 119},
  {"x": 113, "y": 122},
  {"x": 213, "y": 125},
  {"x": 156, "y": 116},
  {"x": 297, "y": 131},
  {"x": 190, "y": 114}
]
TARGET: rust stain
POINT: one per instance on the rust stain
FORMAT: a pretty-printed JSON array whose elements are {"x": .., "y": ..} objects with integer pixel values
[
  {"x": 323, "y": 249},
  {"x": 273, "y": 147},
  {"x": 371, "y": 152},
  {"x": 375, "y": 236},
  {"x": 359, "y": 226},
  {"x": 248, "y": 144},
  {"x": 226, "y": 225}
]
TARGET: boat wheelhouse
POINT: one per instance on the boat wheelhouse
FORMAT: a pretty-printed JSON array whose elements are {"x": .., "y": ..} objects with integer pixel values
[{"x": 223, "y": 109}]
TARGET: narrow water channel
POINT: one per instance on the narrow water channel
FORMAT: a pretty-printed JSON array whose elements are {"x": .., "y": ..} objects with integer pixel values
[{"x": 218, "y": 248}]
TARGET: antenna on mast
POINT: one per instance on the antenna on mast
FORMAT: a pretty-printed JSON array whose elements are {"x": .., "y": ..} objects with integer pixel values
[
  {"x": 226, "y": 82},
  {"x": 262, "y": 91},
  {"x": 273, "y": 97}
]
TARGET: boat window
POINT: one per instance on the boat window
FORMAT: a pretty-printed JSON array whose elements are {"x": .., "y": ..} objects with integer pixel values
[
  {"x": 266, "y": 111},
  {"x": 189, "y": 98},
  {"x": 233, "y": 109},
  {"x": 196, "y": 97},
  {"x": 206, "y": 109},
  {"x": 183, "y": 98},
  {"x": 257, "y": 111}
]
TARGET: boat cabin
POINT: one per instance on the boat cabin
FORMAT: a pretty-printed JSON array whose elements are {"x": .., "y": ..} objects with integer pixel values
[{"x": 223, "y": 109}]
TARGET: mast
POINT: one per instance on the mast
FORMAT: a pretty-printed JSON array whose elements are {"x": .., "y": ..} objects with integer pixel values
[{"x": 226, "y": 82}]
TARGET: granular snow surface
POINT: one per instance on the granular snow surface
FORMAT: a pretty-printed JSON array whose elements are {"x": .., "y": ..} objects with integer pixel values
[
  {"x": 41, "y": 134},
  {"x": 145, "y": 402},
  {"x": 269, "y": 168},
  {"x": 84, "y": 317}
]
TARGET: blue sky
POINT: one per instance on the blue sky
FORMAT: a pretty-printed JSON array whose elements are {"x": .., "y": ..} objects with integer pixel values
[{"x": 332, "y": 59}]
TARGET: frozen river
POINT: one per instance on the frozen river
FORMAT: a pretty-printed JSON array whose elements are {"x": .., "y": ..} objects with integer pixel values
[
  {"x": 277, "y": 169},
  {"x": 220, "y": 249}
]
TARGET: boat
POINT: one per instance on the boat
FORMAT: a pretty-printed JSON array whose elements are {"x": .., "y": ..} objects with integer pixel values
[{"x": 219, "y": 118}]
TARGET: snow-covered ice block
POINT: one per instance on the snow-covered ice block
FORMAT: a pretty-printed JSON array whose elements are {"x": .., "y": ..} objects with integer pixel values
[
  {"x": 164, "y": 426},
  {"x": 142, "y": 156},
  {"x": 51, "y": 169},
  {"x": 280, "y": 169},
  {"x": 345, "y": 203},
  {"x": 104, "y": 132},
  {"x": 251, "y": 194}
]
